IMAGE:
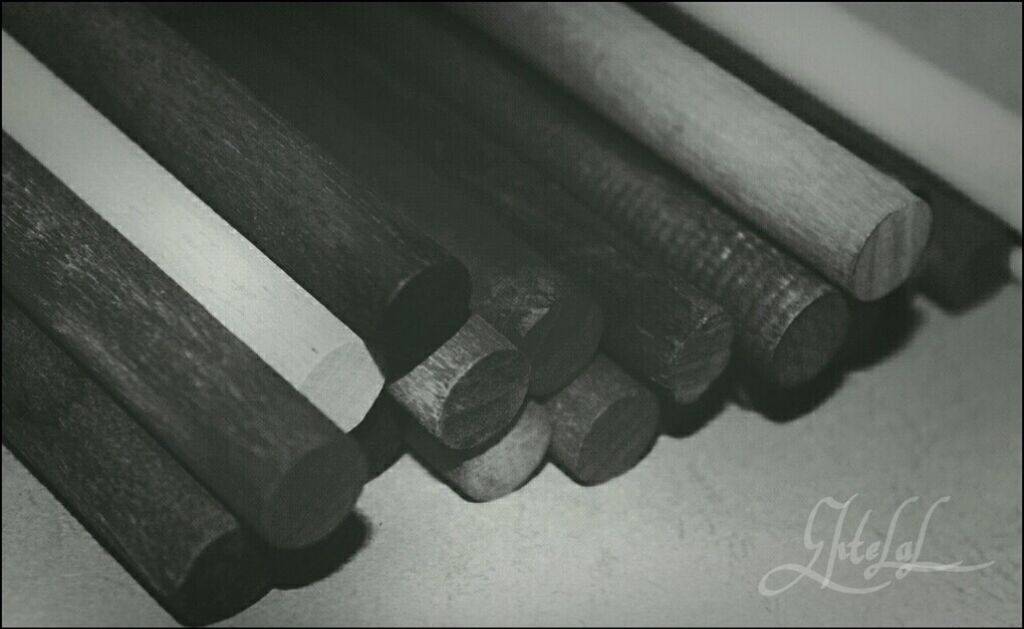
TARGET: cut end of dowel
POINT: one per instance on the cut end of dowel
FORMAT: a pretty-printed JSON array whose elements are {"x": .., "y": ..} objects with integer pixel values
[
  {"x": 707, "y": 353},
  {"x": 563, "y": 342},
  {"x": 811, "y": 341},
  {"x": 315, "y": 495},
  {"x": 486, "y": 398},
  {"x": 228, "y": 576},
  {"x": 423, "y": 313},
  {"x": 892, "y": 251},
  {"x": 619, "y": 438},
  {"x": 508, "y": 464}
]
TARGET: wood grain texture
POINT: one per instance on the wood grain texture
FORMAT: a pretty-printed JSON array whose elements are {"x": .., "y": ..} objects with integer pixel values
[
  {"x": 553, "y": 321},
  {"x": 397, "y": 289},
  {"x": 250, "y": 295},
  {"x": 164, "y": 527},
  {"x": 603, "y": 423},
  {"x": 655, "y": 324},
  {"x": 494, "y": 469},
  {"x": 963, "y": 261},
  {"x": 789, "y": 322},
  {"x": 859, "y": 228},
  {"x": 872, "y": 79},
  {"x": 261, "y": 447},
  {"x": 469, "y": 389}
]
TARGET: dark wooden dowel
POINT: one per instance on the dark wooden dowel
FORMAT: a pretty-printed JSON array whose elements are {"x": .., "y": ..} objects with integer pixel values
[
  {"x": 469, "y": 389},
  {"x": 655, "y": 324},
  {"x": 494, "y": 469},
  {"x": 261, "y": 447},
  {"x": 603, "y": 423},
  {"x": 163, "y": 526},
  {"x": 556, "y": 324},
  {"x": 789, "y": 321},
  {"x": 858, "y": 227},
  {"x": 397, "y": 289}
]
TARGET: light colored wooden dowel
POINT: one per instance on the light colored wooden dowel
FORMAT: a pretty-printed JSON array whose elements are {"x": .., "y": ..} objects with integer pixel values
[
  {"x": 250, "y": 295},
  {"x": 855, "y": 225},
  {"x": 552, "y": 320},
  {"x": 402, "y": 293},
  {"x": 496, "y": 469},
  {"x": 940, "y": 122}
]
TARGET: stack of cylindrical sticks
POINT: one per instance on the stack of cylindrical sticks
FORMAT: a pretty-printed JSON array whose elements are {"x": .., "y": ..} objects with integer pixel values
[{"x": 250, "y": 254}]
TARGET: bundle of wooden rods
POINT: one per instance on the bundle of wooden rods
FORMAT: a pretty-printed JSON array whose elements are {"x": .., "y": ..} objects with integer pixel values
[{"x": 259, "y": 251}]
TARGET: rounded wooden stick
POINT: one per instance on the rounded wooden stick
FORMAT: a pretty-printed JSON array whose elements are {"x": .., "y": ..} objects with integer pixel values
[
  {"x": 858, "y": 227},
  {"x": 556, "y": 324},
  {"x": 397, "y": 289},
  {"x": 163, "y": 526},
  {"x": 261, "y": 447},
  {"x": 884, "y": 87},
  {"x": 655, "y": 324},
  {"x": 603, "y": 423},
  {"x": 253, "y": 298},
  {"x": 494, "y": 469},
  {"x": 468, "y": 390},
  {"x": 789, "y": 322}
]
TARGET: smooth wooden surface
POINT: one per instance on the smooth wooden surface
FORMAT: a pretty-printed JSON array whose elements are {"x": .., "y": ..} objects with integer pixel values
[
  {"x": 603, "y": 423},
  {"x": 469, "y": 389},
  {"x": 858, "y": 227},
  {"x": 397, "y": 289},
  {"x": 261, "y": 447},
  {"x": 657, "y": 325},
  {"x": 163, "y": 526},
  {"x": 948, "y": 127},
  {"x": 965, "y": 258},
  {"x": 789, "y": 321},
  {"x": 496, "y": 469},
  {"x": 554, "y": 322},
  {"x": 253, "y": 298}
]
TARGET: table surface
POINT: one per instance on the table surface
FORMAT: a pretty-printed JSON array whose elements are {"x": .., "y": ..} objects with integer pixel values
[{"x": 684, "y": 538}]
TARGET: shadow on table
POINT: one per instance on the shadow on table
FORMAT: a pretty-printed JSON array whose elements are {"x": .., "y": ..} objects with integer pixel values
[{"x": 296, "y": 568}]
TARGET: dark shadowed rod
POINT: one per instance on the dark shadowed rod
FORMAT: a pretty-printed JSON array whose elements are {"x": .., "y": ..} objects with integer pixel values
[
  {"x": 555, "y": 323},
  {"x": 261, "y": 447},
  {"x": 163, "y": 526},
  {"x": 789, "y": 322},
  {"x": 397, "y": 289},
  {"x": 655, "y": 324}
]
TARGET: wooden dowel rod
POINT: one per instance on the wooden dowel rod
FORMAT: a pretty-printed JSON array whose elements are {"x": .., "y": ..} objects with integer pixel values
[
  {"x": 260, "y": 446},
  {"x": 164, "y": 527},
  {"x": 882, "y": 86},
  {"x": 253, "y": 298},
  {"x": 964, "y": 260},
  {"x": 858, "y": 227},
  {"x": 603, "y": 423},
  {"x": 556, "y": 324},
  {"x": 494, "y": 469},
  {"x": 397, "y": 289},
  {"x": 655, "y": 324},
  {"x": 469, "y": 389},
  {"x": 789, "y": 322}
]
